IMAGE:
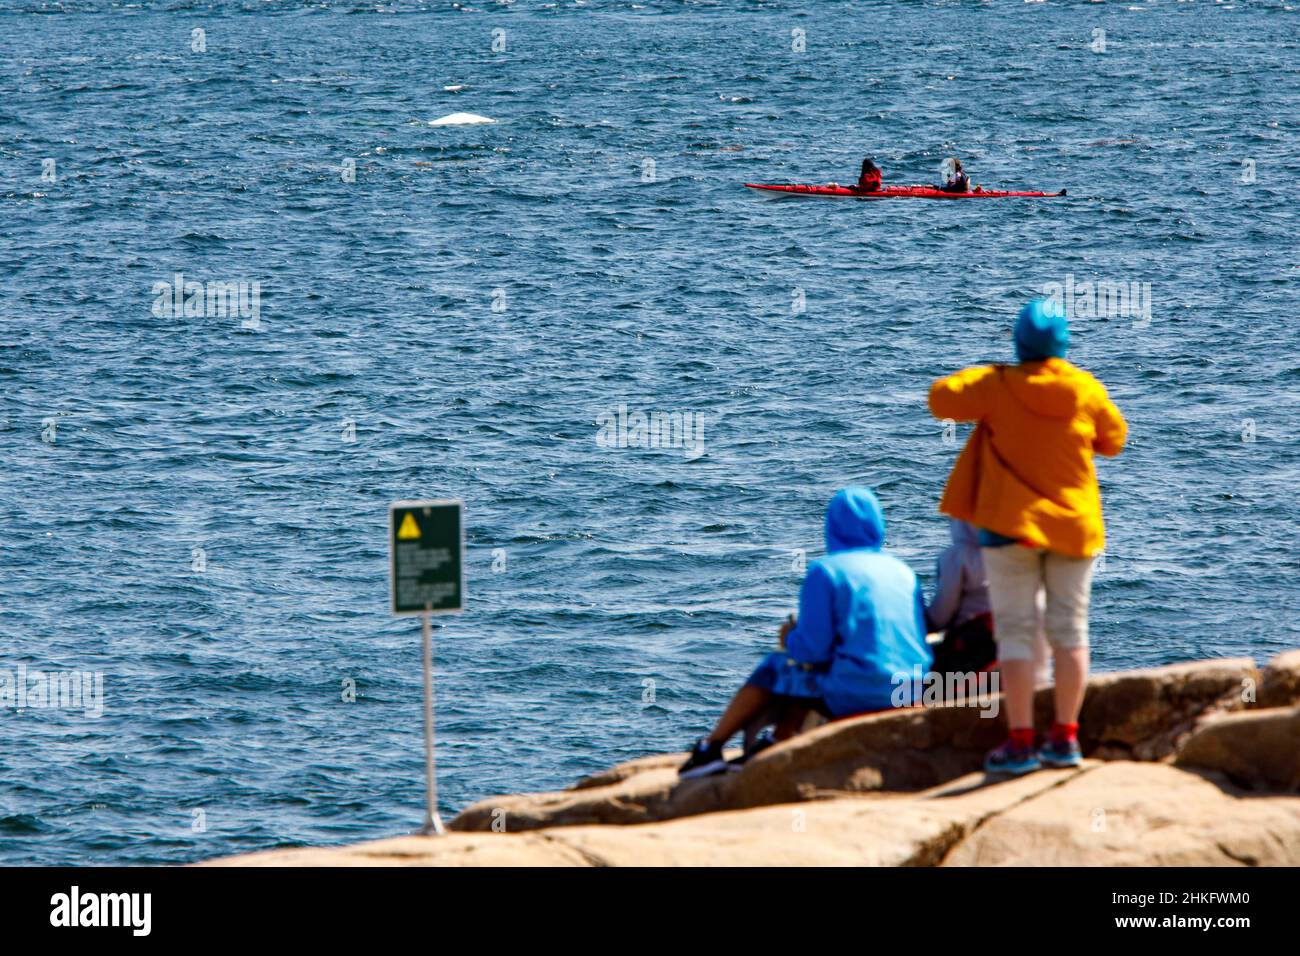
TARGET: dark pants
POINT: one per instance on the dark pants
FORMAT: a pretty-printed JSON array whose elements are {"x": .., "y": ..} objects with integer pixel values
[
  {"x": 968, "y": 648},
  {"x": 785, "y": 715}
]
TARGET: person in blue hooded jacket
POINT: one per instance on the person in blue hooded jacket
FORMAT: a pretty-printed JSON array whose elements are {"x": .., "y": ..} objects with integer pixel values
[{"x": 858, "y": 639}]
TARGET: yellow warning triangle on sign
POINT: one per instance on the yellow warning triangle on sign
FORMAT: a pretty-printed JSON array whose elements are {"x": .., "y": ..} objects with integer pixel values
[{"x": 409, "y": 528}]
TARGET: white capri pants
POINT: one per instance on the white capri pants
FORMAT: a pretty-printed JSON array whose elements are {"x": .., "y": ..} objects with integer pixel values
[{"x": 1016, "y": 576}]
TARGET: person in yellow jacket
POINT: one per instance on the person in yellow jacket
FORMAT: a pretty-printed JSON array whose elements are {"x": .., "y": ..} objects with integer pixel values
[{"x": 1026, "y": 479}]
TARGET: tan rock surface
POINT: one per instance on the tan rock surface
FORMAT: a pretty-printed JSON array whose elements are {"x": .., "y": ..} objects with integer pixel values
[
  {"x": 1138, "y": 814},
  {"x": 1121, "y": 813},
  {"x": 460, "y": 849},
  {"x": 1132, "y": 714},
  {"x": 1258, "y": 749},
  {"x": 874, "y": 830},
  {"x": 620, "y": 772},
  {"x": 1280, "y": 682}
]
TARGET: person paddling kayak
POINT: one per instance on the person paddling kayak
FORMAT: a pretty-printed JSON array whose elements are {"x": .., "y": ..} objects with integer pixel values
[
  {"x": 869, "y": 180},
  {"x": 955, "y": 178}
]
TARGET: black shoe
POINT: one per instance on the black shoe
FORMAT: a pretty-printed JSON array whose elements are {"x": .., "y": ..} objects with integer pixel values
[
  {"x": 761, "y": 743},
  {"x": 706, "y": 758}
]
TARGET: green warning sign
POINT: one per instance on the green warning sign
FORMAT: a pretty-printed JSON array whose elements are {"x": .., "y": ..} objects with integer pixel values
[{"x": 426, "y": 541}]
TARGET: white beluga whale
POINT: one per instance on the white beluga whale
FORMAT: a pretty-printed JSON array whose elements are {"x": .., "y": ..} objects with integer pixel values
[{"x": 461, "y": 119}]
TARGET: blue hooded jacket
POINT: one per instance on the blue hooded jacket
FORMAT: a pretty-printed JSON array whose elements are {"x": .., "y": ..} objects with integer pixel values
[{"x": 861, "y": 611}]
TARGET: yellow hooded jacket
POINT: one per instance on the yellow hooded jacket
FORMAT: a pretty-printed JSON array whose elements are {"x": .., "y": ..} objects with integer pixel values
[{"x": 1027, "y": 470}]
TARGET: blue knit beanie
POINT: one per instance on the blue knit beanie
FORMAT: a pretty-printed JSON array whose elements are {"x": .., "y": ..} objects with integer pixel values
[{"x": 1041, "y": 331}]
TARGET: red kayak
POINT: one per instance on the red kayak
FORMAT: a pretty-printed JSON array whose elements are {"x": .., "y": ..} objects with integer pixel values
[{"x": 775, "y": 191}]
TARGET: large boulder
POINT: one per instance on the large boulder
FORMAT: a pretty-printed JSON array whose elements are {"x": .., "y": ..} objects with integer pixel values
[
  {"x": 1138, "y": 814},
  {"x": 1144, "y": 714},
  {"x": 655, "y": 793},
  {"x": 1121, "y": 813},
  {"x": 620, "y": 772},
  {"x": 1257, "y": 749},
  {"x": 1133, "y": 715},
  {"x": 1279, "y": 685},
  {"x": 872, "y": 830},
  {"x": 461, "y": 849},
  {"x": 860, "y": 830}
]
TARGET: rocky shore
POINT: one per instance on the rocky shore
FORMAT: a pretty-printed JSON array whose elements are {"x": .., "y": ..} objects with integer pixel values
[{"x": 1189, "y": 764}]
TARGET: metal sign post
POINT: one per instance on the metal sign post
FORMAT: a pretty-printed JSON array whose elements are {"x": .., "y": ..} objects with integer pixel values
[
  {"x": 427, "y": 548},
  {"x": 432, "y": 822}
]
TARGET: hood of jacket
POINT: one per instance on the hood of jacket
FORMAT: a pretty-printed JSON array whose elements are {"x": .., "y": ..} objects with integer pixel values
[{"x": 854, "y": 519}]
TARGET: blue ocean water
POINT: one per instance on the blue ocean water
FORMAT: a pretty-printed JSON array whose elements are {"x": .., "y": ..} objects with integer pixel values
[{"x": 196, "y": 509}]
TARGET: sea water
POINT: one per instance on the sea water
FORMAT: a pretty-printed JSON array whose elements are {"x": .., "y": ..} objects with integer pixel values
[{"x": 251, "y": 296}]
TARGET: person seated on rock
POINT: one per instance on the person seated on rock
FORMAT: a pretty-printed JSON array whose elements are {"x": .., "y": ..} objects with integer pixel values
[
  {"x": 960, "y": 606},
  {"x": 860, "y": 631},
  {"x": 961, "y": 609}
]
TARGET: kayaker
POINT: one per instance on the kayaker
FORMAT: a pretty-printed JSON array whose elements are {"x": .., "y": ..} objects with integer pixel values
[
  {"x": 1026, "y": 479},
  {"x": 956, "y": 180},
  {"x": 861, "y": 624},
  {"x": 869, "y": 180}
]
